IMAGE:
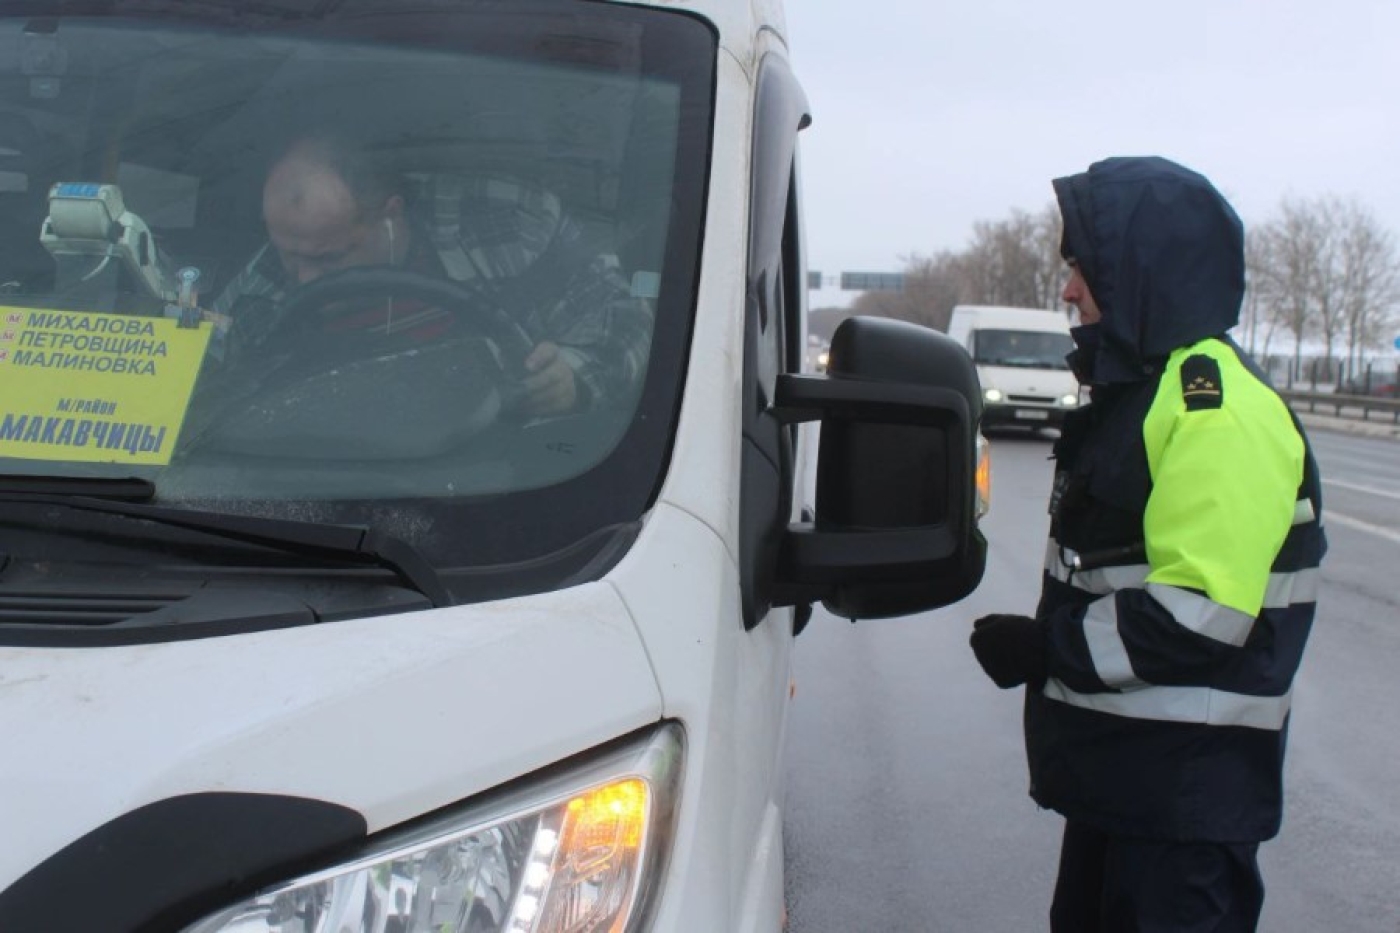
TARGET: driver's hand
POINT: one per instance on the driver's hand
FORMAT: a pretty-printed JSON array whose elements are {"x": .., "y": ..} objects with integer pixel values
[{"x": 550, "y": 388}]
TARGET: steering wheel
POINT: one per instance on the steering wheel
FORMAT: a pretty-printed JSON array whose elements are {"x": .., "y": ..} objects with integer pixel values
[
  {"x": 364, "y": 395},
  {"x": 315, "y": 302}
]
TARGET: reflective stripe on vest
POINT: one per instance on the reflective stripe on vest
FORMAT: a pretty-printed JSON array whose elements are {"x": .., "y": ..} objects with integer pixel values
[
  {"x": 1181, "y": 704},
  {"x": 1284, "y": 589},
  {"x": 1106, "y": 648}
]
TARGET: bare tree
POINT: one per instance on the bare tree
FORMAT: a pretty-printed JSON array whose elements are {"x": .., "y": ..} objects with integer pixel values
[
  {"x": 1320, "y": 268},
  {"x": 1326, "y": 268},
  {"x": 1326, "y": 286},
  {"x": 999, "y": 261},
  {"x": 1369, "y": 280},
  {"x": 1015, "y": 261},
  {"x": 1050, "y": 265},
  {"x": 1254, "y": 315},
  {"x": 1287, "y": 257}
]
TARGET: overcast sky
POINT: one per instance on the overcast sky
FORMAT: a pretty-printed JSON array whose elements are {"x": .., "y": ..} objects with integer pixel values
[{"x": 932, "y": 114}]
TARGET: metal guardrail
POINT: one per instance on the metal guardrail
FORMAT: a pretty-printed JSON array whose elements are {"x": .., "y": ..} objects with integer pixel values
[{"x": 1345, "y": 406}]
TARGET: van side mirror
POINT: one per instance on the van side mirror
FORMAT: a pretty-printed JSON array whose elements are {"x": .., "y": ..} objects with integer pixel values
[{"x": 895, "y": 530}]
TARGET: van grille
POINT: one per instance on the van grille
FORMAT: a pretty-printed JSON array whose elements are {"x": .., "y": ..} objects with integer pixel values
[{"x": 1032, "y": 399}]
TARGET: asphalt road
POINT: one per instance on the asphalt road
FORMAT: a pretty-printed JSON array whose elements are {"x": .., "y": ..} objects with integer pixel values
[{"x": 907, "y": 806}]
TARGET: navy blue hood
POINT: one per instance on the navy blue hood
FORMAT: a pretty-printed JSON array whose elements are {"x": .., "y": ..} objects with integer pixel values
[{"x": 1162, "y": 253}]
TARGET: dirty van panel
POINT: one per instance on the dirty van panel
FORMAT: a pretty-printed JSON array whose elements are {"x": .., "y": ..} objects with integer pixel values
[{"x": 514, "y": 180}]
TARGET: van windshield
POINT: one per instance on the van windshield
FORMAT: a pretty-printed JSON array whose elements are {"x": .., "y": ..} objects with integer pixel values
[
  {"x": 425, "y": 268},
  {"x": 1029, "y": 349}
]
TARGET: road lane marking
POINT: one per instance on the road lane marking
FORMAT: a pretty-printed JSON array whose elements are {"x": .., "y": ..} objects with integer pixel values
[
  {"x": 1346, "y": 466},
  {"x": 1383, "y": 457},
  {"x": 1369, "y": 490},
  {"x": 1347, "y": 521}
]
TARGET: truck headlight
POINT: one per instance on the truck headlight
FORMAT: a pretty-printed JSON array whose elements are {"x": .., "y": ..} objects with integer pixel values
[
  {"x": 993, "y": 395},
  {"x": 1069, "y": 401},
  {"x": 576, "y": 853}
]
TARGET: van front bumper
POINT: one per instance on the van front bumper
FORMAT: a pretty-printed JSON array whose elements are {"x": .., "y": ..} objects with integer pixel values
[{"x": 1023, "y": 416}]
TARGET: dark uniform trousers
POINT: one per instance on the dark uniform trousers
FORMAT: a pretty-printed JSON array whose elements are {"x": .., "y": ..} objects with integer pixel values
[{"x": 1109, "y": 884}]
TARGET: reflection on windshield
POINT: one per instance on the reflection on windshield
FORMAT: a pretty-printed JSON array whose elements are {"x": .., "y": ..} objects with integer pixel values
[
  {"x": 1022, "y": 348},
  {"x": 255, "y": 269}
]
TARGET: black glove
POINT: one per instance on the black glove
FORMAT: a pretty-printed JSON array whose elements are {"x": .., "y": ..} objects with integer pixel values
[{"x": 1011, "y": 649}]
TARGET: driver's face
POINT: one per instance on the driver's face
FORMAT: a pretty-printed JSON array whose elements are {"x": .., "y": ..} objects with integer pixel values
[{"x": 315, "y": 224}]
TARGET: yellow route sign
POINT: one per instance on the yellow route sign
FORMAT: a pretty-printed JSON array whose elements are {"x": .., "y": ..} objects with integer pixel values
[{"x": 96, "y": 388}]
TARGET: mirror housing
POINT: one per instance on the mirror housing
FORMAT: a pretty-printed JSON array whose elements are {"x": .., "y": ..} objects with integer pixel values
[{"x": 895, "y": 530}]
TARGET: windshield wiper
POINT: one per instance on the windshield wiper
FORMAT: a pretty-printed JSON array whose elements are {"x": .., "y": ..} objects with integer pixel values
[
  {"x": 123, "y": 488},
  {"x": 354, "y": 543}
]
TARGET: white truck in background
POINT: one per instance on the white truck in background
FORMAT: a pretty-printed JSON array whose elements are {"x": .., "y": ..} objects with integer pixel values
[{"x": 1020, "y": 358}]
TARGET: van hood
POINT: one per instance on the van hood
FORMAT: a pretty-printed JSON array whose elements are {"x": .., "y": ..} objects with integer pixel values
[{"x": 338, "y": 712}]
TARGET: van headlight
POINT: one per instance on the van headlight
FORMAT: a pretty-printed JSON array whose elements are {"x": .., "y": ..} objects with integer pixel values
[
  {"x": 1069, "y": 401},
  {"x": 984, "y": 476},
  {"x": 580, "y": 852},
  {"x": 993, "y": 395}
]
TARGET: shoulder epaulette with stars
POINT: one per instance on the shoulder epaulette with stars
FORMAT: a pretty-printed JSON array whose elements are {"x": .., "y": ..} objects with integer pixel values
[{"x": 1200, "y": 383}]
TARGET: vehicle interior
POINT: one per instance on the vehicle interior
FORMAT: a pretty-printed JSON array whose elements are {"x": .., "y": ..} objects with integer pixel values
[
  {"x": 133, "y": 155},
  {"x": 184, "y": 123}
]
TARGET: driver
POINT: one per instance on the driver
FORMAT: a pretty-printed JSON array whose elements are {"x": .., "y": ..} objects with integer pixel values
[{"x": 328, "y": 207}]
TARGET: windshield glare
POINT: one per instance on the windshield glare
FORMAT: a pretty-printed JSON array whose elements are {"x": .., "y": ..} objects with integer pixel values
[
  {"x": 1028, "y": 349},
  {"x": 319, "y": 272}
]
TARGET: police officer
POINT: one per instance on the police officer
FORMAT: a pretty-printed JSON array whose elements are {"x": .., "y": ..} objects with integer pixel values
[{"x": 1181, "y": 577}]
